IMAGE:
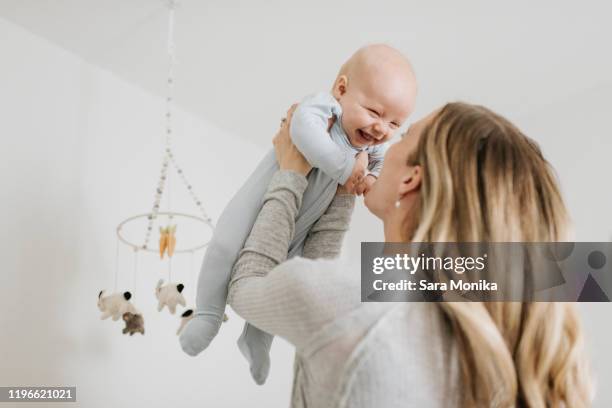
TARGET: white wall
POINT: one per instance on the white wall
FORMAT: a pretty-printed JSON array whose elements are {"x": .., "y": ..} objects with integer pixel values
[{"x": 81, "y": 150}]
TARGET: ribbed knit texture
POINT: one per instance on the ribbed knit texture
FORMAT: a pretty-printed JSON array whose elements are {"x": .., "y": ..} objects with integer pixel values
[{"x": 348, "y": 353}]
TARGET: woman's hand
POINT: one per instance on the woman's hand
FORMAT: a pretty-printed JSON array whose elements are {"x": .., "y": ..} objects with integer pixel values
[
  {"x": 287, "y": 155},
  {"x": 342, "y": 190}
]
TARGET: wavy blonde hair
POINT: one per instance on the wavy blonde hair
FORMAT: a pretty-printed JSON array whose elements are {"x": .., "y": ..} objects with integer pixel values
[{"x": 483, "y": 180}]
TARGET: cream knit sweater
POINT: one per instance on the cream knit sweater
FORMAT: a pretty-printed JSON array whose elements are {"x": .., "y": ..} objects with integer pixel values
[{"x": 348, "y": 353}]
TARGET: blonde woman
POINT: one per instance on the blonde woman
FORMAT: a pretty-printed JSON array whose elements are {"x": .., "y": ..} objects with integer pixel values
[{"x": 461, "y": 174}]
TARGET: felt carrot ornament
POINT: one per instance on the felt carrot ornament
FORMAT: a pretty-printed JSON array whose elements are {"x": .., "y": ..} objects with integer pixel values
[
  {"x": 171, "y": 238},
  {"x": 163, "y": 241},
  {"x": 167, "y": 240}
]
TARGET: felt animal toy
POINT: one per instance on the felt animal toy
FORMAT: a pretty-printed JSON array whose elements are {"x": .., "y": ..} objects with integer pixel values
[
  {"x": 115, "y": 305},
  {"x": 167, "y": 241},
  {"x": 134, "y": 323},
  {"x": 169, "y": 295},
  {"x": 187, "y": 316}
]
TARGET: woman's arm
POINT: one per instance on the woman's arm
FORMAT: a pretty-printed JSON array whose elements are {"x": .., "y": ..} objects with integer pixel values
[
  {"x": 291, "y": 299},
  {"x": 294, "y": 298},
  {"x": 326, "y": 236},
  {"x": 275, "y": 299},
  {"x": 268, "y": 243}
]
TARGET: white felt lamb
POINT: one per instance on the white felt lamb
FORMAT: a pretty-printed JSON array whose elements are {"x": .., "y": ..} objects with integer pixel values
[
  {"x": 169, "y": 295},
  {"x": 115, "y": 305}
]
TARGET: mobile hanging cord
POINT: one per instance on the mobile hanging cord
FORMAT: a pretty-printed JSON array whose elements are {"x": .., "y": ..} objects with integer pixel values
[{"x": 114, "y": 305}]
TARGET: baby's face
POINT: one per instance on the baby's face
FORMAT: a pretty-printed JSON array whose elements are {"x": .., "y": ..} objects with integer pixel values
[{"x": 372, "y": 110}]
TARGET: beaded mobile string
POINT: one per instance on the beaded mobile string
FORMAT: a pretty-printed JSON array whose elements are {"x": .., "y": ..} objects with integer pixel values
[{"x": 169, "y": 295}]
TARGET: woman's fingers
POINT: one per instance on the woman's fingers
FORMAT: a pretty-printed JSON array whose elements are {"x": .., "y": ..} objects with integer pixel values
[
  {"x": 341, "y": 189},
  {"x": 290, "y": 111},
  {"x": 278, "y": 141},
  {"x": 282, "y": 136},
  {"x": 350, "y": 186},
  {"x": 360, "y": 189},
  {"x": 287, "y": 119},
  {"x": 287, "y": 155},
  {"x": 283, "y": 133}
]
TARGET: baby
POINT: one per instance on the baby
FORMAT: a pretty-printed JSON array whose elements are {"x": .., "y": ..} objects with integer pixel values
[{"x": 342, "y": 135}]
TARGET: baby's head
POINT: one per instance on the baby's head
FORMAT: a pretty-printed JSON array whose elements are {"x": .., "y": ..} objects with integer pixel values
[{"x": 376, "y": 88}]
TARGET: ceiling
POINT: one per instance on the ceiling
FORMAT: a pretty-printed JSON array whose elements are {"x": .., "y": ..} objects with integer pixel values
[{"x": 242, "y": 63}]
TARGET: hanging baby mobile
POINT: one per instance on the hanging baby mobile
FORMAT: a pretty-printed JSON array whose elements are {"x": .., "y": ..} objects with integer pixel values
[{"x": 119, "y": 304}]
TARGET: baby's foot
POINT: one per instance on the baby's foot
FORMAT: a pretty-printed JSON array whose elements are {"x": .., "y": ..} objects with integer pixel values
[
  {"x": 198, "y": 333},
  {"x": 255, "y": 347}
]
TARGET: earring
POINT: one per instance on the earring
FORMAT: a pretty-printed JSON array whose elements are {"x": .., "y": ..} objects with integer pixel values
[{"x": 397, "y": 204}]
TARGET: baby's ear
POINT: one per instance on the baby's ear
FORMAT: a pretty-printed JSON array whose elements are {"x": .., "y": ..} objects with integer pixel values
[{"x": 340, "y": 86}]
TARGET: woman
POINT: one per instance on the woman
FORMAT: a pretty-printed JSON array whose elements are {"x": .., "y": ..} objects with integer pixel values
[{"x": 461, "y": 174}]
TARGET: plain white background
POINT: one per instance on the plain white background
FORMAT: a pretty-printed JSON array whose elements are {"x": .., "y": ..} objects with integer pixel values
[{"x": 81, "y": 103}]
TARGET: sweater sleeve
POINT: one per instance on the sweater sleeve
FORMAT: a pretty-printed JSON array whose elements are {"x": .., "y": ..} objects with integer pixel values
[
  {"x": 290, "y": 299},
  {"x": 326, "y": 235}
]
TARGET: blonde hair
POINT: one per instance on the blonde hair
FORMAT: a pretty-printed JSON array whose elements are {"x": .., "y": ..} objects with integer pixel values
[{"x": 483, "y": 180}]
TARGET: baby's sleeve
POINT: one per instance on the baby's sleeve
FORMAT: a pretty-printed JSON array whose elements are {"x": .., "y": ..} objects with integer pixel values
[
  {"x": 309, "y": 133},
  {"x": 376, "y": 156}
]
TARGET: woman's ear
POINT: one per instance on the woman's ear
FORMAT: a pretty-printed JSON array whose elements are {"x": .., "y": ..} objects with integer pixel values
[
  {"x": 340, "y": 86},
  {"x": 412, "y": 181}
]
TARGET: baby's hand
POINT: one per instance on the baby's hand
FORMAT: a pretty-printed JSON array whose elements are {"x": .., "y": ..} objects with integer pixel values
[
  {"x": 365, "y": 185},
  {"x": 359, "y": 171}
]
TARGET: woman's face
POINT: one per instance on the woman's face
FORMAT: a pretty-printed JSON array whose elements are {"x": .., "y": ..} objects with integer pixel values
[{"x": 398, "y": 180}]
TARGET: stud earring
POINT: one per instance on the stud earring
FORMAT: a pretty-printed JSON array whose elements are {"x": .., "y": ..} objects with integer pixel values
[{"x": 397, "y": 204}]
